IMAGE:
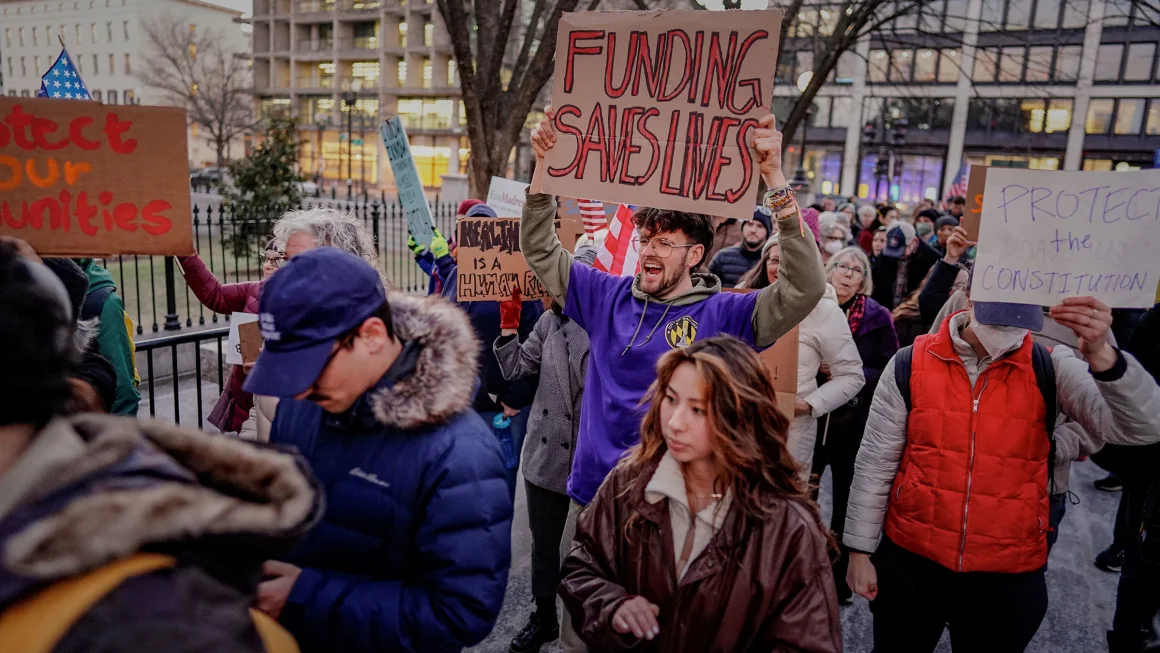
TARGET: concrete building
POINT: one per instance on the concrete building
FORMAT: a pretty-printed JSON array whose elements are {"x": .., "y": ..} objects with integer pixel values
[
  {"x": 1042, "y": 84},
  {"x": 105, "y": 39},
  {"x": 386, "y": 58}
]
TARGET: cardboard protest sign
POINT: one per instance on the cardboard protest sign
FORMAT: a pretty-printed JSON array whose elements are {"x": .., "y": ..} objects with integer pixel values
[
  {"x": 974, "y": 208},
  {"x": 86, "y": 179},
  {"x": 658, "y": 108},
  {"x": 249, "y": 341},
  {"x": 1046, "y": 235},
  {"x": 410, "y": 188},
  {"x": 782, "y": 362},
  {"x": 491, "y": 264},
  {"x": 234, "y": 341},
  {"x": 506, "y": 196}
]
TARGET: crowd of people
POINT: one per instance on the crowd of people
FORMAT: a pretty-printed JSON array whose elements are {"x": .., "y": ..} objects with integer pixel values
[{"x": 366, "y": 502}]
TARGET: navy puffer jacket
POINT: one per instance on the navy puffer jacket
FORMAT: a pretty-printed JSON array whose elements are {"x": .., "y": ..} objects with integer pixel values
[
  {"x": 731, "y": 263},
  {"x": 414, "y": 549}
]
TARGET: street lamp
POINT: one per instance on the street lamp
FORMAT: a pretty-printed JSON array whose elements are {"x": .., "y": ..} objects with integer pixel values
[
  {"x": 349, "y": 98},
  {"x": 800, "y": 180}
]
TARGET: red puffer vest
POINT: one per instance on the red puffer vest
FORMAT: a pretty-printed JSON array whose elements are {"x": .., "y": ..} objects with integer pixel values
[{"x": 971, "y": 492}]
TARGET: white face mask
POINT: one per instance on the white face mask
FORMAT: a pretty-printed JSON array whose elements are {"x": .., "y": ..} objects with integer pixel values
[
  {"x": 997, "y": 339},
  {"x": 833, "y": 247}
]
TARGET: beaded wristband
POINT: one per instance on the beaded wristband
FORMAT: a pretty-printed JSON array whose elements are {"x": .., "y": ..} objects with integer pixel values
[{"x": 778, "y": 198}]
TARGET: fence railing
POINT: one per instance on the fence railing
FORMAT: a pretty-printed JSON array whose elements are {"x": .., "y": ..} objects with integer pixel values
[
  {"x": 157, "y": 298},
  {"x": 182, "y": 375}
]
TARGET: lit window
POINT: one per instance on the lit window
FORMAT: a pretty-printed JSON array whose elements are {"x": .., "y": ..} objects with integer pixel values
[
  {"x": 402, "y": 35},
  {"x": 1099, "y": 116},
  {"x": 1034, "y": 115},
  {"x": 402, "y": 73},
  {"x": 949, "y": 66},
  {"x": 1129, "y": 117},
  {"x": 428, "y": 34},
  {"x": 1152, "y": 124},
  {"x": 426, "y": 73},
  {"x": 366, "y": 70},
  {"x": 925, "y": 63},
  {"x": 1058, "y": 116},
  {"x": 877, "y": 66}
]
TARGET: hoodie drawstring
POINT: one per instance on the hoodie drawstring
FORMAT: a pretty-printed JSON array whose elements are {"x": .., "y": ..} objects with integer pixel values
[
  {"x": 668, "y": 306},
  {"x": 638, "y": 325}
]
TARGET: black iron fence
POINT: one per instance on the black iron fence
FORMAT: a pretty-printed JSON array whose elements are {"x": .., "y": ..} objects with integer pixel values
[
  {"x": 157, "y": 298},
  {"x": 182, "y": 375}
]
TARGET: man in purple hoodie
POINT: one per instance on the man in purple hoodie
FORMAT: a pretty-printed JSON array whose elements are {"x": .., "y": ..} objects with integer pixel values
[{"x": 632, "y": 321}]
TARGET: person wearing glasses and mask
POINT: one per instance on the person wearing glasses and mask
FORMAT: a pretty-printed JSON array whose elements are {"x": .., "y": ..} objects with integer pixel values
[
  {"x": 235, "y": 406},
  {"x": 632, "y": 321}
]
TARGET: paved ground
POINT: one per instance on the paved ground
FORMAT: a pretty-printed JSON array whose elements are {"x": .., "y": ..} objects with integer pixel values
[{"x": 1082, "y": 598}]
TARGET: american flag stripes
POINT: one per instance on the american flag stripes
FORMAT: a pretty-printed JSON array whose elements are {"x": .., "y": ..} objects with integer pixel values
[
  {"x": 592, "y": 213},
  {"x": 959, "y": 185},
  {"x": 62, "y": 81},
  {"x": 618, "y": 256}
]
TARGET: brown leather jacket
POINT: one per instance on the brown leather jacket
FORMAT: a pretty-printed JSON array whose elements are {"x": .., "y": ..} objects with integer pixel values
[{"x": 759, "y": 585}]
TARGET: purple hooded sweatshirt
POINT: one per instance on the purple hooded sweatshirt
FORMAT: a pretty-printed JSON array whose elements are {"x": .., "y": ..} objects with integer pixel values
[{"x": 628, "y": 332}]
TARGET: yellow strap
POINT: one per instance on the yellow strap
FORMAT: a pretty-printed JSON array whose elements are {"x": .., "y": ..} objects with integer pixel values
[
  {"x": 275, "y": 639},
  {"x": 37, "y": 623}
]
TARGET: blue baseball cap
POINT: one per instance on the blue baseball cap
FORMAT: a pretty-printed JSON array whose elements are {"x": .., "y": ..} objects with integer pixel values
[{"x": 315, "y": 298}]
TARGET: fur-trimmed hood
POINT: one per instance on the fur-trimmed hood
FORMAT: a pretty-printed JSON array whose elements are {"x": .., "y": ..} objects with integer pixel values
[
  {"x": 439, "y": 382},
  {"x": 131, "y": 484}
]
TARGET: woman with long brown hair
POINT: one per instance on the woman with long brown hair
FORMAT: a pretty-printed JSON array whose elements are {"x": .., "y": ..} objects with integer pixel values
[{"x": 703, "y": 538}]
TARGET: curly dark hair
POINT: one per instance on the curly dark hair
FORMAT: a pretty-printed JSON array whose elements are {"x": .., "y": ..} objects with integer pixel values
[{"x": 697, "y": 226}]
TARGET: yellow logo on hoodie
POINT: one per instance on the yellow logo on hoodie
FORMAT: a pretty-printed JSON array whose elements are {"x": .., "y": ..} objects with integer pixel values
[{"x": 681, "y": 332}]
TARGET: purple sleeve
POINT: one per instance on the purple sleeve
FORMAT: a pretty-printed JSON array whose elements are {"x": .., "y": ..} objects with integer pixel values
[{"x": 590, "y": 291}]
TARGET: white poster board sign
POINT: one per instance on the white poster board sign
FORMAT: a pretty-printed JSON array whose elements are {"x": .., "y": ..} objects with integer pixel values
[
  {"x": 1046, "y": 235},
  {"x": 506, "y": 196},
  {"x": 234, "y": 342},
  {"x": 410, "y": 189}
]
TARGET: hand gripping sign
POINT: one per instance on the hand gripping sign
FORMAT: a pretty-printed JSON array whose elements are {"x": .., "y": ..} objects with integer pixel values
[{"x": 658, "y": 108}]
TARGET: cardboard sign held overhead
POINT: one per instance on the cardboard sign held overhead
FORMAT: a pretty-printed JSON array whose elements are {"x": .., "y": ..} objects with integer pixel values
[
  {"x": 1047, "y": 235},
  {"x": 491, "y": 264},
  {"x": 83, "y": 179},
  {"x": 506, "y": 196},
  {"x": 410, "y": 188},
  {"x": 658, "y": 108},
  {"x": 974, "y": 209}
]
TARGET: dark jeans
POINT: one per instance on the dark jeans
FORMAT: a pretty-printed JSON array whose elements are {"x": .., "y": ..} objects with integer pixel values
[
  {"x": 842, "y": 440},
  {"x": 1058, "y": 510},
  {"x": 985, "y": 612},
  {"x": 1138, "y": 595},
  {"x": 547, "y": 514}
]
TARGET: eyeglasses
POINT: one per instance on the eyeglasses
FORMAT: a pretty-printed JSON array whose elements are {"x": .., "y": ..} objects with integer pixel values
[
  {"x": 661, "y": 248},
  {"x": 275, "y": 261},
  {"x": 852, "y": 271}
]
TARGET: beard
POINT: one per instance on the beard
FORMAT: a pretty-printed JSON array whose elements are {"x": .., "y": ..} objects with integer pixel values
[{"x": 669, "y": 279}]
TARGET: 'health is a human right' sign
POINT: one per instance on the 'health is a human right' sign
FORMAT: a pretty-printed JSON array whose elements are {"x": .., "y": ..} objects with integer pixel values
[{"x": 1046, "y": 235}]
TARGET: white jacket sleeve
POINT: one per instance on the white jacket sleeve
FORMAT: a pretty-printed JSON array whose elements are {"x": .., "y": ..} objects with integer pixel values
[
  {"x": 1124, "y": 411},
  {"x": 841, "y": 354},
  {"x": 877, "y": 464}
]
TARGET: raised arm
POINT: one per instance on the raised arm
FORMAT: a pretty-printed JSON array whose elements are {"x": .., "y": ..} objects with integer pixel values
[
  {"x": 541, "y": 246},
  {"x": 801, "y": 281},
  {"x": 218, "y": 297}
]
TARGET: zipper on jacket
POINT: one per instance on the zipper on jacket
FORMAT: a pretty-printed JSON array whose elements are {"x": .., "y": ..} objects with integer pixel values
[{"x": 970, "y": 470}]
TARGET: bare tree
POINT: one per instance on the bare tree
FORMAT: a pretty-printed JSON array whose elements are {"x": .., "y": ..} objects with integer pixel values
[{"x": 194, "y": 70}]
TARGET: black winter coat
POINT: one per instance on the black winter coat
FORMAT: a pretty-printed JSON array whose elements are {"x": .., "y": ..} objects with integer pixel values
[{"x": 731, "y": 263}]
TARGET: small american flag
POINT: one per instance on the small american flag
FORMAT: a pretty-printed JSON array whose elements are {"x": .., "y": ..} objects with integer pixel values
[
  {"x": 618, "y": 256},
  {"x": 959, "y": 185},
  {"x": 592, "y": 213},
  {"x": 62, "y": 81}
]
